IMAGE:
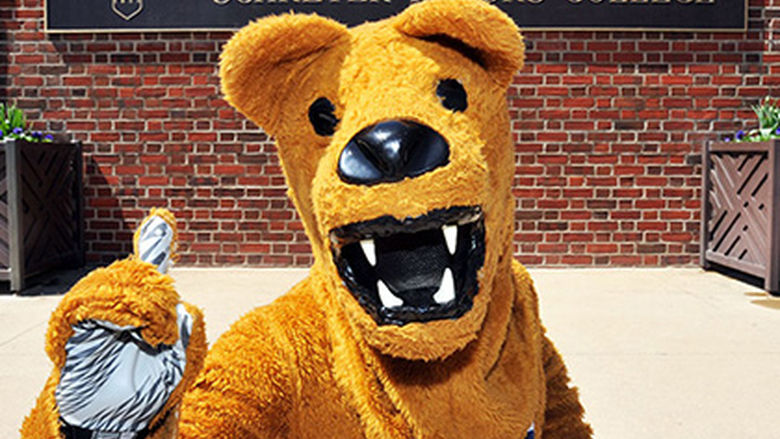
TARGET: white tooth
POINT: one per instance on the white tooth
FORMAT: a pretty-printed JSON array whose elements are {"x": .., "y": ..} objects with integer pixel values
[
  {"x": 446, "y": 291},
  {"x": 389, "y": 300},
  {"x": 451, "y": 236},
  {"x": 370, "y": 250}
]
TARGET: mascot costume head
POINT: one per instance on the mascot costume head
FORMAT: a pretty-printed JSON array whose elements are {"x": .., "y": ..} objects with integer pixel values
[
  {"x": 415, "y": 322},
  {"x": 394, "y": 138}
]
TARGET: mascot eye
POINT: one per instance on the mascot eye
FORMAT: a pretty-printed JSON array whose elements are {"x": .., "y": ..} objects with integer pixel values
[
  {"x": 452, "y": 95},
  {"x": 322, "y": 117}
]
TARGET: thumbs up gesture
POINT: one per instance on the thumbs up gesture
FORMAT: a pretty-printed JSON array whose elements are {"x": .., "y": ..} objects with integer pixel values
[{"x": 124, "y": 347}]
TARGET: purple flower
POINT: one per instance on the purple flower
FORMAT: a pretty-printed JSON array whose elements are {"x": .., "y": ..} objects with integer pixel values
[
  {"x": 49, "y": 137},
  {"x": 37, "y": 134},
  {"x": 727, "y": 139},
  {"x": 18, "y": 130},
  {"x": 2, "y": 133},
  {"x": 740, "y": 135},
  {"x": 777, "y": 131}
]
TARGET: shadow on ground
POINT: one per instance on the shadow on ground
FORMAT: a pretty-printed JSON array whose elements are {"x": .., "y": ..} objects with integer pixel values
[{"x": 53, "y": 283}]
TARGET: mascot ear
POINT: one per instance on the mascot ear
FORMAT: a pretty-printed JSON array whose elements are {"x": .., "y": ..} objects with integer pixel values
[
  {"x": 263, "y": 62},
  {"x": 478, "y": 30}
]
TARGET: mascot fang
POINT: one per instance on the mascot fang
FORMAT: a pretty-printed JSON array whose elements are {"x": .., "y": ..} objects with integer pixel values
[{"x": 415, "y": 322}]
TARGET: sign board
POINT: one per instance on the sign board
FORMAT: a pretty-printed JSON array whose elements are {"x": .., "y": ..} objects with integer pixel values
[
  {"x": 188, "y": 15},
  {"x": 632, "y": 15}
]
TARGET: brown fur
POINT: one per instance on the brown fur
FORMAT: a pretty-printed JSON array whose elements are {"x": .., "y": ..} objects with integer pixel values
[{"x": 314, "y": 364}]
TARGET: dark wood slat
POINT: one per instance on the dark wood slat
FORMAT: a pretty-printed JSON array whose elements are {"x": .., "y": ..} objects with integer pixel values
[
  {"x": 44, "y": 211},
  {"x": 705, "y": 205},
  {"x": 742, "y": 147},
  {"x": 747, "y": 267},
  {"x": 16, "y": 243},
  {"x": 741, "y": 208},
  {"x": 772, "y": 280}
]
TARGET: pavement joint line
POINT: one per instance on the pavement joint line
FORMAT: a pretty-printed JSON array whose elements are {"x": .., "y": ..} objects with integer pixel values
[{"x": 22, "y": 333}]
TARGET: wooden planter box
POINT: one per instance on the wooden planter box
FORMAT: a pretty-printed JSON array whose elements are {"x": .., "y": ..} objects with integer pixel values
[
  {"x": 41, "y": 209},
  {"x": 741, "y": 209}
]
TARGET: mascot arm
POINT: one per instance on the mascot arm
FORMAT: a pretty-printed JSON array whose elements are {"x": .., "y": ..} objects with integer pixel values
[
  {"x": 124, "y": 349},
  {"x": 563, "y": 412},
  {"x": 246, "y": 387}
]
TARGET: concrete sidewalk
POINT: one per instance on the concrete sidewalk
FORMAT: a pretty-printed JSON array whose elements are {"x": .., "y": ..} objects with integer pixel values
[{"x": 673, "y": 353}]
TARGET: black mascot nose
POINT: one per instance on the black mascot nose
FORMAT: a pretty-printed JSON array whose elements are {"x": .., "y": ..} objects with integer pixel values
[{"x": 391, "y": 151}]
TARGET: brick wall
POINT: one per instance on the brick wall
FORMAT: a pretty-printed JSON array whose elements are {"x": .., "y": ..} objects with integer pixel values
[{"x": 608, "y": 126}]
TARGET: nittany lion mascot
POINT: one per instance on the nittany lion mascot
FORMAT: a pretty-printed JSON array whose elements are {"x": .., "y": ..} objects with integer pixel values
[{"x": 415, "y": 322}]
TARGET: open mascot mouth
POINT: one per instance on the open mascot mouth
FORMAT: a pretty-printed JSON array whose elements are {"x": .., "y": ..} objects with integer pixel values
[{"x": 413, "y": 270}]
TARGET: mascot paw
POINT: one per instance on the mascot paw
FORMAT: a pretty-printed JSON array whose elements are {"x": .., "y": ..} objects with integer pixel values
[
  {"x": 123, "y": 345},
  {"x": 133, "y": 292}
]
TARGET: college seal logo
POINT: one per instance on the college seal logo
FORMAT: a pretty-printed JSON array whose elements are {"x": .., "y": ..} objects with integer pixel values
[{"x": 127, "y": 9}]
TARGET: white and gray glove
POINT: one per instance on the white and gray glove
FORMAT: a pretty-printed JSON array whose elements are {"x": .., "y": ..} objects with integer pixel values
[{"x": 114, "y": 382}]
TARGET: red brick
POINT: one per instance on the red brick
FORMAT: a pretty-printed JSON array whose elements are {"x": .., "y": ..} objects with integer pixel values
[
  {"x": 681, "y": 237},
  {"x": 129, "y": 170},
  {"x": 605, "y": 125},
  {"x": 254, "y": 248},
  {"x": 626, "y": 260},
  {"x": 153, "y": 181},
  {"x": 577, "y": 260},
  {"x": 578, "y": 237}
]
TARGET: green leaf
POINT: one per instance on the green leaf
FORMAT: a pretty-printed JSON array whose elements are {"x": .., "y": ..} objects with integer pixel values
[{"x": 768, "y": 114}]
